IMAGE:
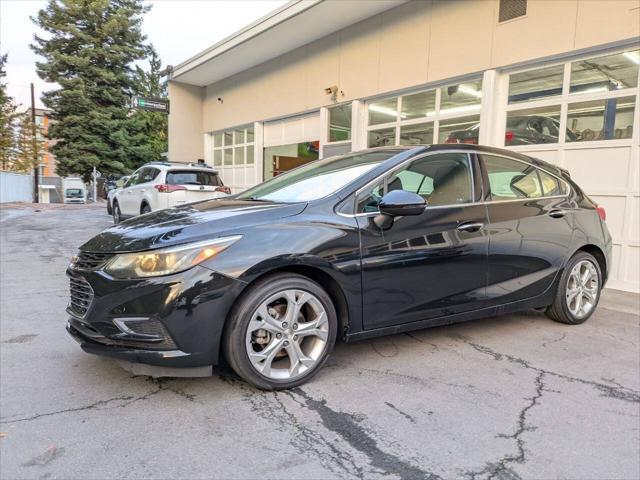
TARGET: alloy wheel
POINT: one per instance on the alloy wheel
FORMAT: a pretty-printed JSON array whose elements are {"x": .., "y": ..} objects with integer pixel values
[
  {"x": 287, "y": 335},
  {"x": 582, "y": 289}
]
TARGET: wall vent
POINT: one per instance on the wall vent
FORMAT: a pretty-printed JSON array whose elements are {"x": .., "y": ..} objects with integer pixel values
[{"x": 510, "y": 9}]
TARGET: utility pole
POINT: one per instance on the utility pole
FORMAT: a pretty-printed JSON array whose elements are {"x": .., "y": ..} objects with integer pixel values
[{"x": 36, "y": 162}]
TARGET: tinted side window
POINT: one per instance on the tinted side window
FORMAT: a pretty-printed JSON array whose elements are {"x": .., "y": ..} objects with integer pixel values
[
  {"x": 441, "y": 179},
  {"x": 134, "y": 179},
  {"x": 550, "y": 185},
  {"x": 368, "y": 200},
  {"x": 510, "y": 179},
  {"x": 148, "y": 174}
]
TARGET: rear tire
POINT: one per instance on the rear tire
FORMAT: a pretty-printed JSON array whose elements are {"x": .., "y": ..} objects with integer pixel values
[
  {"x": 578, "y": 290},
  {"x": 117, "y": 216},
  {"x": 109, "y": 209},
  {"x": 281, "y": 332}
]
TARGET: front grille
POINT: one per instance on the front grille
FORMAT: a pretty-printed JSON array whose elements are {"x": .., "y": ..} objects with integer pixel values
[
  {"x": 81, "y": 295},
  {"x": 91, "y": 261}
]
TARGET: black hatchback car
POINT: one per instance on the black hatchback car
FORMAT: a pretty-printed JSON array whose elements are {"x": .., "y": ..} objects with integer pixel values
[{"x": 376, "y": 242}]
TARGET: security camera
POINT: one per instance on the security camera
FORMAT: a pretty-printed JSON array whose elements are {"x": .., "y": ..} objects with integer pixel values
[
  {"x": 220, "y": 100},
  {"x": 332, "y": 90}
]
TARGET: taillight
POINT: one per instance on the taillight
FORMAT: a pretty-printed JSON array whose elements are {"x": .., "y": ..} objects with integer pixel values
[
  {"x": 601, "y": 213},
  {"x": 169, "y": 188},
  {"x": 226, "y": 190},
  {"x": 508, "y": 137}
]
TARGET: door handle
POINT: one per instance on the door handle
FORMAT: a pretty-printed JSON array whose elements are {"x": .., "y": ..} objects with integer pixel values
[
  {"x": 470, "y": 226},
  {"x": 557, "y": 213}
]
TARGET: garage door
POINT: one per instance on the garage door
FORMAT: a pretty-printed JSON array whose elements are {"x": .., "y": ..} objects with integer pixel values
[{"x": 300, "y": 129}]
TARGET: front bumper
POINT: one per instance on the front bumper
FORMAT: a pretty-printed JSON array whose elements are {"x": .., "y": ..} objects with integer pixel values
[{"x": 181, "y": 317}]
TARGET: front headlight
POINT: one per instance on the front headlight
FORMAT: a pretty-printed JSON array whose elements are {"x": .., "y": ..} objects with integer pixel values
[{"x": 166, "y": 261}]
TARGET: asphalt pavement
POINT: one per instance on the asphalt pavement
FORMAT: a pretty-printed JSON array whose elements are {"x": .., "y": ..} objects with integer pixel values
[{"x": 509, "y": 397}]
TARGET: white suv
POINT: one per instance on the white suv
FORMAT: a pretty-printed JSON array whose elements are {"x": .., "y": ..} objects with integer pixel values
[{"x": 159, "y": 185}]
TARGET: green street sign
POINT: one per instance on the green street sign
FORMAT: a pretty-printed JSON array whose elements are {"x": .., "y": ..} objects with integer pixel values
[{"x": 152, "y": 104}]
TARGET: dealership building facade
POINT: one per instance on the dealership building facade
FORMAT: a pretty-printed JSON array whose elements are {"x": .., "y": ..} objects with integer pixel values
[{"x": 557, "y": 80}]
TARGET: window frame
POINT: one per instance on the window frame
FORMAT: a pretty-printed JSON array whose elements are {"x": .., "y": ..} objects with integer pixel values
[
  {"x": 567, "y": 98},
  {"x": 244, "y": 145},
  {"x": 487, "y": 197},
  {"x": 351, "y": 124},
  {"x": 437, "y": 116},
  {"x": 477, "y": 185},
  {"x": 480, "y": 183}
]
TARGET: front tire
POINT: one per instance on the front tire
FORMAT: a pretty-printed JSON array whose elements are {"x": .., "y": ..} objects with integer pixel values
[
  {"x": 117, "y": 216},
  {"x": 578, "y": 290},
  {"x": 145, "y": 209},
  {"x": 281, "y": 332},
  {"x": 109, "y": 209}
]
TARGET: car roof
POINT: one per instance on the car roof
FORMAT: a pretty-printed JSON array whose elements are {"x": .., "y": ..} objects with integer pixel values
[
  {"x": 414, "y": 150},
  {"x": 167, "y": 166}
]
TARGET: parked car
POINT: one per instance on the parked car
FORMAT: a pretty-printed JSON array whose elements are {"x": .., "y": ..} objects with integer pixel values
[
  {"x": 372, "y": 243},
  {"x": 110, "y": 183},
  {"x": 75, "y": 190},
  {"x": 160, "y": 185},
  {"x": 521, "y": 130},
  {"x": 118, "y": 184}
]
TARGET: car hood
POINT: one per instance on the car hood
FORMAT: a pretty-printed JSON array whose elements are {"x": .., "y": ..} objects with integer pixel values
[{"x": 188, "y": 223}]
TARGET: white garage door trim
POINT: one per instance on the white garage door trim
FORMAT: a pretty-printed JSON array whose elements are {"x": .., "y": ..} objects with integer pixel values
[{"x": 299, "y": 129}]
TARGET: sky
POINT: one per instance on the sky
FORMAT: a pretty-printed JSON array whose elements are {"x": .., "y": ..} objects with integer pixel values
[{"x": 178, "y": 29}]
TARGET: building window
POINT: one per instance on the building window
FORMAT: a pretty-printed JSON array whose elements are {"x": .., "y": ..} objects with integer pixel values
[
  {"x": 604, "y": 74},
  {"x": 510, "y": 9},
  {"x": 41, "y": 169},
  {"x": 533, "y": 126},
  {"x": 233, "y": 147},
  {"x": 536, "y": 84},
  {"x": 340, "y": 123},
  {"x": 449, "y": 114},
  {"x": 598, "y": 100},
  {"x": 600, "y": 119}
]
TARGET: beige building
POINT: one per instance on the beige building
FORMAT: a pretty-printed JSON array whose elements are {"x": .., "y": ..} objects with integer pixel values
[{"x": 557, "y": 80}]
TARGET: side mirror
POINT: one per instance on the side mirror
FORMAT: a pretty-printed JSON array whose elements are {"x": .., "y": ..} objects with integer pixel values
[{"x": 399, "y": 203}]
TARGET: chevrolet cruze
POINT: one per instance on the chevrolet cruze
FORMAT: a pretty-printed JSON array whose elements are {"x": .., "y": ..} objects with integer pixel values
[{"x": 351, "y": 247}]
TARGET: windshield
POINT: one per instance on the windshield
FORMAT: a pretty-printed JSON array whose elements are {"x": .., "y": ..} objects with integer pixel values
[
  {"x": 74, "y": 191},
  {"x": 316, "y": 179}
]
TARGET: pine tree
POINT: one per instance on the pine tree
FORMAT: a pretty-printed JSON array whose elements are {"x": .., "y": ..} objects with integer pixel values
[
  {"x": 28, "y": 152},
  {"x": 148, "y": 130},
  {"x": 89, "y": 51},
  {"x": 8, "y": 117}
]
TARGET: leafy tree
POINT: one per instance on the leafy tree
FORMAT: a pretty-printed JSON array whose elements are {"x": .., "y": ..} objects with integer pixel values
[
  {"x": 89, "y": 51},
  {"x": 148, "y": 130},
  {"x": 28, "y": 149},
  {"x": 8, "y": 116}
]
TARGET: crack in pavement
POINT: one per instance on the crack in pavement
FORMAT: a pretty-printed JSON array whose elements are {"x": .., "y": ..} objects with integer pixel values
[
  {"x": 501, "y": 469},
  {"x": 349, "y": 429},
  {"x": 126, "y": 399},
  {"x": 405, "y": 415},
  {"x": 555, "y": 340},
  {"x": 618, "y": 392},
  {"x": 92, "y": 406},
  {"x": 306, "y": 440}
]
